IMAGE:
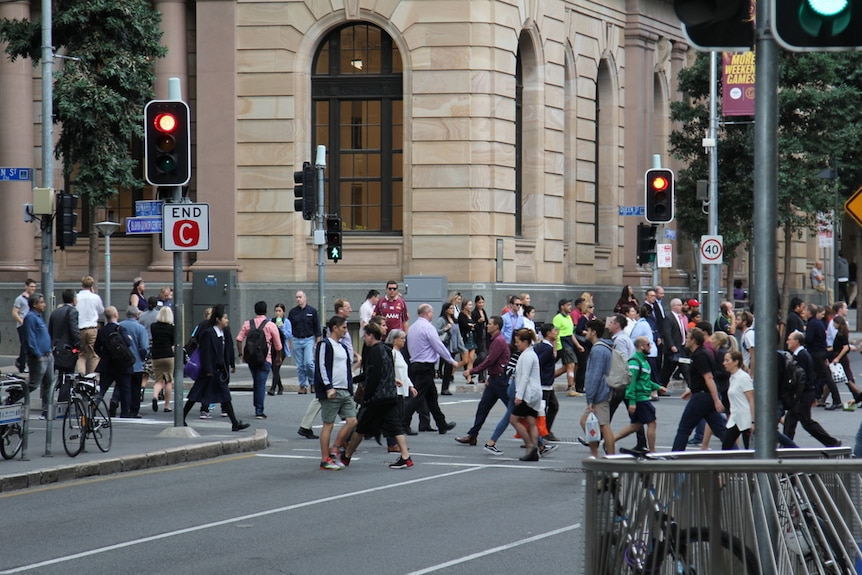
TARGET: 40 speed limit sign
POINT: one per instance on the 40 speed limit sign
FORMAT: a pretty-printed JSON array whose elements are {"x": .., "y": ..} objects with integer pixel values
[{"x": 711, "y": 250}]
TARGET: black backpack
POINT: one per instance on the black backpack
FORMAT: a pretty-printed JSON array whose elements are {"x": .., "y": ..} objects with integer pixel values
[
  {"x": 118, "y": 351},
  {"x": 791, "y": 379},
  {"x": 255, "y": 350}
]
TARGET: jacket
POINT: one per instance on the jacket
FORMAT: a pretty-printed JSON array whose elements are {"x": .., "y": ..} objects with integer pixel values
[
  {"x": 379, "y": 375},
  {"x": 325, "y": 347}
]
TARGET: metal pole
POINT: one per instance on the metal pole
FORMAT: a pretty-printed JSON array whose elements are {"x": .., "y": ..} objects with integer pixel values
[
  {"x": 107, "y": 270},
  {"x": 656, "y": 164},
  {"x": 175, "y": 93},
  {"x": 711, "y": 310},
  {"x": 320, "y": 166}
]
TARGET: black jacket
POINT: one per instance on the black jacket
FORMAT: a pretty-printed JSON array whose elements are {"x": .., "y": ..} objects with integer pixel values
[
  {"x": 380, "y": 375},
  {"x": 63, "y": 327}
]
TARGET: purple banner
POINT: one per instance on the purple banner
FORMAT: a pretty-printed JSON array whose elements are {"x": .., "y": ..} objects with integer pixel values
[{"x": 737, "y": 83}]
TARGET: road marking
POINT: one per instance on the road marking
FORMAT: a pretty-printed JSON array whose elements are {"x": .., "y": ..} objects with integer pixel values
[
  {"x": 169, "y": 534},
  {"x": 506, "y": 547}
]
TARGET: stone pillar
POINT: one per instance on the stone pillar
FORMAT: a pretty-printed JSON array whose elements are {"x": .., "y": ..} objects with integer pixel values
[
  {"x": 17, "y": 149},
  {"x": 173, "y": 65},
  {"x": 216, "y": 135}
]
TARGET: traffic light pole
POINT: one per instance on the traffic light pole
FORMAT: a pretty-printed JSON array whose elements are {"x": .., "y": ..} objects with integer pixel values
[
  {"x": 712, "y": 217},
  {"x": 319, "y": 234}
]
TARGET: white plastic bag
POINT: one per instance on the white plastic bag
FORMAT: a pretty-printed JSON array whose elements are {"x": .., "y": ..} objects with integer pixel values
[
  {"x": 594, "y": 434},
  {"x": 838, "y": 374}
]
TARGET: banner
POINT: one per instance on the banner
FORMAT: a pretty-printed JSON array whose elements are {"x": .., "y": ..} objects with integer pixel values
[{"x": 737, "y": 83}]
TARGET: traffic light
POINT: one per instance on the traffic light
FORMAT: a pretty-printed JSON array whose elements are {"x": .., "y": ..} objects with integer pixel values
[
  {"x": 658, "y": 196},
  {"x": 67, "y": 219},
  {"x": 304, "y": 192},
  {"x": 333, "y": 238},
  {"x": 646, "y": 243},
  {"x": 167, "y": 143},
  {"x": 717, "y": 24},
  {"x": 817, "y": 25}
]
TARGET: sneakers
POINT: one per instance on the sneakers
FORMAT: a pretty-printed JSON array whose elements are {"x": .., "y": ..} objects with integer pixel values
[
  {"x": 345, "y": 461},
  {"x": 330, "y": 465},
  {"x": 548, "y": 449},
  {"x": 401, "y": 463},
  {"x": 206, "y": 415},
  {"x": 492, "y": 449},
  {"x": 260, "y": 416}
]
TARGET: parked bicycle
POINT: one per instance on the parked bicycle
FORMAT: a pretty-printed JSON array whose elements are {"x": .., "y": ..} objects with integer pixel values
[
  {"x": 11, "y": 415},
  {"x": 647, "y": 539},
  {"x": 87, "y": 415}
]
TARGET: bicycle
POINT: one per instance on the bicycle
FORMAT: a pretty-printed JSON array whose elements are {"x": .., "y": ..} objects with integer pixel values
[
  {"x": 650, "y": 540},
  {"x": 87, "y": 415},
  {"x": 11, "y": 415}
]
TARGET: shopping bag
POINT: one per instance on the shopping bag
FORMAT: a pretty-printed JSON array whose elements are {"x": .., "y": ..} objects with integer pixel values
[
  {"x": 594, "y": 434},
  {"x": 838, "y": 375}
]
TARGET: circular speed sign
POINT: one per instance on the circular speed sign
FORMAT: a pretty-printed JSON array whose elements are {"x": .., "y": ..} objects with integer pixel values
[{"x": 711, "y": 249}]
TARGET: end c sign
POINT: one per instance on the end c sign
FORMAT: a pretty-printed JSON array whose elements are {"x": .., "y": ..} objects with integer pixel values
[
  {"x": 186, "y": 227},
  {"x": 186, "y": 233}
]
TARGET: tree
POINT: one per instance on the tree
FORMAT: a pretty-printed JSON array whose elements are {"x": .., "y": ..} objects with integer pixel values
[
  {"x": 819, "y": 123},
  {"x": 100, "y": 92}
]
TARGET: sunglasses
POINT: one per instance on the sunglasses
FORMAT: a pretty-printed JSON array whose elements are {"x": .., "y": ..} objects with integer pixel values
[{"x": 392, "y": 288}]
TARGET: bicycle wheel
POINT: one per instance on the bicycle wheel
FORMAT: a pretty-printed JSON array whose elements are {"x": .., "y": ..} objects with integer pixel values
[
  {"x": 693, "y": 554},
  {"x": 100, "y": 424},
  {"x": 73, "y": 430},
  {"x": 11, "y": 439}
]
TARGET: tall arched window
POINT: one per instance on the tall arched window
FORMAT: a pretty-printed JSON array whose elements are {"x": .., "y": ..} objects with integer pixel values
[{"x": 358, "y": 114}]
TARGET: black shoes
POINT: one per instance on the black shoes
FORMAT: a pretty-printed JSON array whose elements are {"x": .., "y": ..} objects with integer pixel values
[
  {"x": 409, "y": 431},
  {"x": 446, "y": 427},
  {"x": 431, "y": 429},
  {"x": 445, "y": 392},
  {"x": 307, "y": 433},
  {"x": 532, "y": 455},
  {"x": 239, "y": 426},
  {"x": 551, "y": 437},
  {"x": 112, "y": 409}
]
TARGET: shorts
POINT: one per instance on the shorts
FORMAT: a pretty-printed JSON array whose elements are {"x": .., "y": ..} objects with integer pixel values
[
  {"x": 163, "y": 369},
  {"x": 644, "y": 413},
  {"x": 602, "y": 411},
  {"x": 523, "y": 409},
  {"x": 567, "y": 353},
  {"x": 341, "y": 405},
  {"x": 383, "y": 418}
]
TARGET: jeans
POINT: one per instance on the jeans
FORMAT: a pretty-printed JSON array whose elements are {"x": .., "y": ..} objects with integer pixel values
[
  {"x": 496, "y": 389},
  {"x": 303, "y": 355},
  {"x": 504, "y": 421},
  {"x": 700, "y": 406},
  {"x": 259, "y": 374},
  {"x": 42, "y": 374}
]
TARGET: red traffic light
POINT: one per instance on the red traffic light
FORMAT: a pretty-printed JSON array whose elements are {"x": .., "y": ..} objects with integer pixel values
[
  {"x": 167, "y": 143},
  {"x": 659, "y": 184},
  {"x": 165, "y": 123},
  {"x": 659, "y": 196}
]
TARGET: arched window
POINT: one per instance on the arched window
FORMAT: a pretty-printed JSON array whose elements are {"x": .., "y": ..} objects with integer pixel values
[{"x": 358, "y": 114}]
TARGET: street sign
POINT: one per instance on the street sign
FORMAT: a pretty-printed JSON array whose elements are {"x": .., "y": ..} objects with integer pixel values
[
  {"x": 15, "y": 174},
  {"x": 711, "y": 250},
  {"x": 145, "y": 208},
  {"x": 664, "y": 255},
  {"x": 631, "y": 210},
  {"x": 853, "y": 206},
  {"x": 144, "y": 225},
  {"x": 186, "y": 227}
]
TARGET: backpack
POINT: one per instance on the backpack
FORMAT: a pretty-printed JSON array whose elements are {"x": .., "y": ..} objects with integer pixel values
[
  {"x": 791, "y": 379},
  {"x": 619, "y": 376},
  {"x": 118, "y": 351},
  {"x": 256, "y": 349}
]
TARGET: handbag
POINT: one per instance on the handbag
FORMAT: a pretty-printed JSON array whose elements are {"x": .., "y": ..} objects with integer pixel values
[
  {"x": 65, "y": 358},
  {"x": 594, "y": 434},
  {"x": 838, "y": 374},
  {"x": 359, "y": 392},
  {"x": 192, "y": 368}
]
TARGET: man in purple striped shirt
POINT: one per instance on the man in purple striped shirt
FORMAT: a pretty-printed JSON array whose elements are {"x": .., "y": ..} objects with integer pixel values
[{"x": 426, "y": 348}]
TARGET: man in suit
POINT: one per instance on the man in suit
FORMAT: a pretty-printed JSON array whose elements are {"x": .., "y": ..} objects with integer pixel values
[
  {"x": 801, "y": 412},
  {"x": 673, "y": 336},
  {"x": 108, "y": 372},
  {"x": 65, "y": 337}
]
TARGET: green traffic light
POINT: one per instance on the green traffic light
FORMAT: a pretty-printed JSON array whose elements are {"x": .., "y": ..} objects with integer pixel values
[{"x": 824, "y": 18}]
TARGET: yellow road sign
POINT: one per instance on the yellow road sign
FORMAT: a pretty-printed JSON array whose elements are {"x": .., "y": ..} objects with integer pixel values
[{"x": 853, "y": 206}]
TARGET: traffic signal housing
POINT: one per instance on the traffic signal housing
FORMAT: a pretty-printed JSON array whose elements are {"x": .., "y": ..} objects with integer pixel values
[
  {"x": 333, "y": 238},
  {"x": 817, "y": 25},
  {"x": 304, "y": 192},
  {"x": 66, "y": 220},
  {"x": 167, "y": 143},
  {"x": 717, "y": 24},
  {"x": 646, "y": 243},
  {"x": 659, "y": 195}
]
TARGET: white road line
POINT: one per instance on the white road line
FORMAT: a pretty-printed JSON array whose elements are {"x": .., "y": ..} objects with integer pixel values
[
  {"x": 160, "y": 536},
  {"x": 511, "y": 545}
]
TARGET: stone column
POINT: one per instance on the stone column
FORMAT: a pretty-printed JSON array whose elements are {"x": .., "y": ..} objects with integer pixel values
[{"x": 17, "y": 149}]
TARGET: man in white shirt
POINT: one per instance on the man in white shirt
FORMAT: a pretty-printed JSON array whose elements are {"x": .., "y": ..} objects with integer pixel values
[
  {"x": 366, "y": 310},
  {"x": 90, "y": 309}
]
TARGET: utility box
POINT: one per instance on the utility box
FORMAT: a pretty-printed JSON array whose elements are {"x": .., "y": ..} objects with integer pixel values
[
  {"x": 209, "y": 288},
  {"x": 417, "y": 290}
]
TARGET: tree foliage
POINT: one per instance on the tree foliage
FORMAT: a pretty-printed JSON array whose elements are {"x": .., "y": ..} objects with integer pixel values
[{"x": 99, "y": 95}]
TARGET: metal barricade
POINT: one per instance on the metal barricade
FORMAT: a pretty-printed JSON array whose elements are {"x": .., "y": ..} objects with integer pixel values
[{"x": 724, "y": 513}]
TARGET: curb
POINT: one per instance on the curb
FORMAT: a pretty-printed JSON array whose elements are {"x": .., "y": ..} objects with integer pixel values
[{"x": 153, "y": 459}]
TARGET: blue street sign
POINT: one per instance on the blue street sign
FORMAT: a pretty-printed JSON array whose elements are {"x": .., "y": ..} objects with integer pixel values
[
  {"x": 631, "y": 210},
  {"x": 144, "y": 225},
  {"x": 144, "y": 208},
  {"x": 15, "y": 174},
  {"x": 669, "y": 234}
]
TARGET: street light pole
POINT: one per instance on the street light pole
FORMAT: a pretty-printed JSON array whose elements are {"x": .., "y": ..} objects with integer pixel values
[{"x": 107, "y": 229}]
